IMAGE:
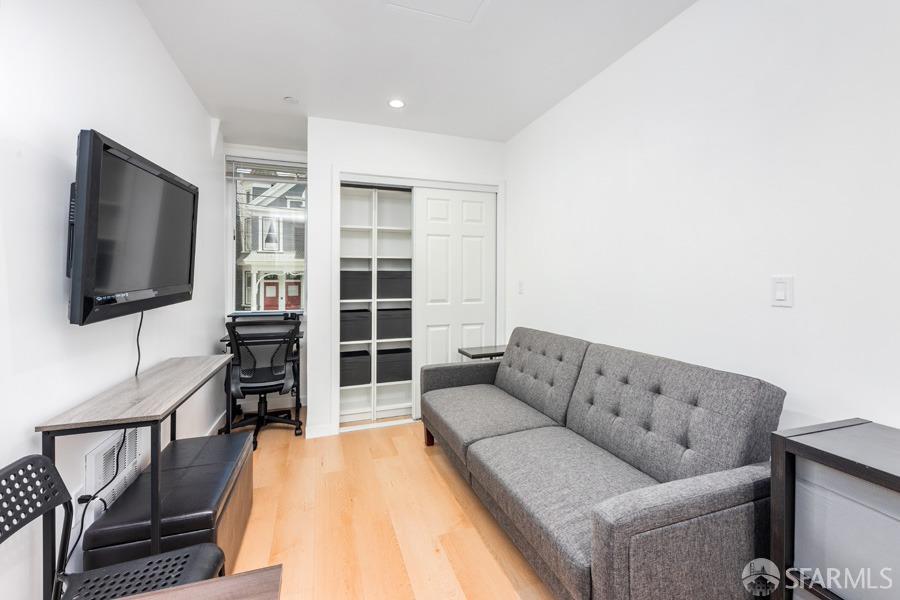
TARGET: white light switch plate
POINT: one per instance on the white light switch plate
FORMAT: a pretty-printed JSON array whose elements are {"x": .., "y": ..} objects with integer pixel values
[{"x": 782, "y": 292}]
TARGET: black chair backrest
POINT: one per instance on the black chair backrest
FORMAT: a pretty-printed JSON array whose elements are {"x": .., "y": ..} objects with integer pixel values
[
  {"x": 262, "y": 348},
  {"x": 276, "y": 315},
  {"x": 29, "y": 488}
]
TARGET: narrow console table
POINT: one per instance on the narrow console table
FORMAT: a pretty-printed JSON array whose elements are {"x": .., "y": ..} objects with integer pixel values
[
  {"x": 142, "y": 401},
  {"x": 479, "y": 352},
  {"x": 857, "y": 450}
]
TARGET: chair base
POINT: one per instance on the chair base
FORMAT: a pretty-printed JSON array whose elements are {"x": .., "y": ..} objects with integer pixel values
[{"x": 262, "y": 417}]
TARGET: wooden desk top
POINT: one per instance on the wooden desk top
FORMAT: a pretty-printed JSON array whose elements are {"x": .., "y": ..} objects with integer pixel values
[
  {"x": 150, "y": 397},
  {"x": 262, "y": 584},
  {"x": 476, "y": 352}
]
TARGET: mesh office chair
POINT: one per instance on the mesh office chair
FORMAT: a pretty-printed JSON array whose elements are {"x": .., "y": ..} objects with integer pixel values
[
  {"x": 287, "y": 315},
  {"x": 262, "y": 365},
  {"x": 32, "y": 487}
]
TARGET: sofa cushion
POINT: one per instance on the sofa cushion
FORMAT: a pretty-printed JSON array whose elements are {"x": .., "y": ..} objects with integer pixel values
[
  {"x": 670, "y": 419},
  {"x": 547, "y": 481},
  {"x": 463, "y": 415},
  {"x": 541, "y": 369}
]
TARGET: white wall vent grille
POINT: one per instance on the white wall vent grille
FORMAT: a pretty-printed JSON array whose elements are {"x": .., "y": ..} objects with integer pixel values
[{"x": 100, "y": 466}]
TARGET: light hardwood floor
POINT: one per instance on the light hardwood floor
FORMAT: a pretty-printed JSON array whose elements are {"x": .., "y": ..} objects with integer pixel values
[{"x": 375, "y": 514}]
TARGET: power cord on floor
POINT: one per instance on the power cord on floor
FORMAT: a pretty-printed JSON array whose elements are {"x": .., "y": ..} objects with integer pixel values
[
  {"x": 137, "y": 342},
  {"x": 88, "y": 498}
]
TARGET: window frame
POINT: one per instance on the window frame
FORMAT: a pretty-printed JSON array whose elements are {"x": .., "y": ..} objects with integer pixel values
[
  {"x": 244, "y": 168},
  {"x": 246, "y": 233},
  {"x": 247, "y": 294}
]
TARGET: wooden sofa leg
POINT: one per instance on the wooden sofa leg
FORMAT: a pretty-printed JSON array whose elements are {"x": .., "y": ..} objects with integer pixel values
[{"x": 429, "y": 439}]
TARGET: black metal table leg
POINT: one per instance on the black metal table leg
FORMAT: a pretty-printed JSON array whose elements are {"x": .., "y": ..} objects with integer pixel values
[
  {"x": 155, "y": 529},
  {"x": 173, "y": 425},
  {"x": 782, "y": 510},
  {"x": 228, "y": 400},
  {"x": 48, "y": 448}
]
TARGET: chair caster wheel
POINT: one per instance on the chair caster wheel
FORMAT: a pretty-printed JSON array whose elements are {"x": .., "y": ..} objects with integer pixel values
[
  {"x": 254, "y": 444},
  {"x": 298, "y": 432}
]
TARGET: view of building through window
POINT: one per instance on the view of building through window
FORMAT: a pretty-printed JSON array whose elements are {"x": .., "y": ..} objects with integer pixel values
[{"x": 269, "y": 235}]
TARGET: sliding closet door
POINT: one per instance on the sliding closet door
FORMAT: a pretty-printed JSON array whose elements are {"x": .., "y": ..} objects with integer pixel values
[{"x": 454, "y": 283}]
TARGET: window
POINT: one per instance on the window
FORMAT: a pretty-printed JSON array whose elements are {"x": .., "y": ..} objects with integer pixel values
[
  {"x": 293, "y": 287},
  {"x": 300, "y": 241},
  {"x": 248, "y": 290},
  {"x": 245, "y": 233},
  {"x": 269, "y": 234}
]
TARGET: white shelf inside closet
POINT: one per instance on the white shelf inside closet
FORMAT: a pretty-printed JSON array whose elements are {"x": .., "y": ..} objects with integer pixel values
[{"x": 376, "y": 234}]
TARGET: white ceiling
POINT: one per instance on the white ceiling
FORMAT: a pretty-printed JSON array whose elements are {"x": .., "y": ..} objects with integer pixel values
[{"x": 476, "y": 68}]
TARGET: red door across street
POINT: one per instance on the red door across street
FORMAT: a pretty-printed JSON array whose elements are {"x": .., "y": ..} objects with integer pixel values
[
  {"x": 292, "y": 295},
  {"x": 270, "y": 295}
]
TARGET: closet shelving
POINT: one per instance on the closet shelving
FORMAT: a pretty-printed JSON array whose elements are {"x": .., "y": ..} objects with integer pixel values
[{"x": 376, "y": 238}]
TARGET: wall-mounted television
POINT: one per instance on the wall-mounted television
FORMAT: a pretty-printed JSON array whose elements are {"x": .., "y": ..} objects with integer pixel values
[{"x": 132, "y": 233}]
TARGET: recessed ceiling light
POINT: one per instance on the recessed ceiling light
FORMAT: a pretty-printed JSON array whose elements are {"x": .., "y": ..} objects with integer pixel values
[
  {"x": 284, "y": 174},
  {"x": 291, "y": 100},
  {"x": 396, "y": 103},
  {"x": 244, "y": 170}
]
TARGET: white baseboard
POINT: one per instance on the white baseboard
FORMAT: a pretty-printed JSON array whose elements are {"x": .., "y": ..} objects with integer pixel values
[
  {"x": 317, "y": 431},
  {"x": 217, "y": 424},
  {"x": 376, "y": 425}
]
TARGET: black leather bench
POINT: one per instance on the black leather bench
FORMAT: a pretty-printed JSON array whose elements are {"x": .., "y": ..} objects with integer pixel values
[{"x": 206, "y": 491}]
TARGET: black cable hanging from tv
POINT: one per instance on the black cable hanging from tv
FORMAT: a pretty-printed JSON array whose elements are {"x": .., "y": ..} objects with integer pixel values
[{"x": 137, "y": 342}]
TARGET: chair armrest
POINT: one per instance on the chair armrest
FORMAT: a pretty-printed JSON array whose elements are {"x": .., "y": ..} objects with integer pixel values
[
  {"x": 683, "y": 539},
  {"x": 436, "y": 377}
]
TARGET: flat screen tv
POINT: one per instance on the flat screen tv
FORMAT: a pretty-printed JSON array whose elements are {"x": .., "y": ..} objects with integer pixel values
[{"x": 132, "y": 233}]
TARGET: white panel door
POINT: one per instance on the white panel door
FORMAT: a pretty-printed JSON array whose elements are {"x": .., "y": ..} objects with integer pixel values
[{"x": 455, "y": 283}]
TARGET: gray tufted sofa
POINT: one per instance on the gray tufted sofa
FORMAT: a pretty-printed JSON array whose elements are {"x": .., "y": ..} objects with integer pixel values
[{"x": 619, "y": 475}]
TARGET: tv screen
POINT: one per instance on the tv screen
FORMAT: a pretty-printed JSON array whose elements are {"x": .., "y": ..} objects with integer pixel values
[{"x": 132, "y": 230}]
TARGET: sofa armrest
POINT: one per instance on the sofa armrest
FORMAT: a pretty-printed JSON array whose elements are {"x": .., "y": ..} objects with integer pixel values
[
  {"x": 683, "y": 539},
  {"x": 436, "y": 377}
]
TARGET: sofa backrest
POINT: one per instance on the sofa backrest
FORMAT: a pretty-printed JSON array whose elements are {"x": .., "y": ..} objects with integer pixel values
[
  {"x": 671, "y": 419},
  {"x": 541, "y": 369}
]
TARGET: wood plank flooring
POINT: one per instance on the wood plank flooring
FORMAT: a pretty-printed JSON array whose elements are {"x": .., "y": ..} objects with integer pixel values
[{"x": 375, "y": 514}]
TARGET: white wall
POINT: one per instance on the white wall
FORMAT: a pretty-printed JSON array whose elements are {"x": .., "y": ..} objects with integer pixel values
[
  {"x": 339, "y": 146},
  {"x": 67, "y": 66},
  {"x": 744, "y": 139}
]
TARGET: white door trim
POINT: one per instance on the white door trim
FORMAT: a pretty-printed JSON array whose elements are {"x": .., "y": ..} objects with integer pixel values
[{"x": 412, "y": 182}]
